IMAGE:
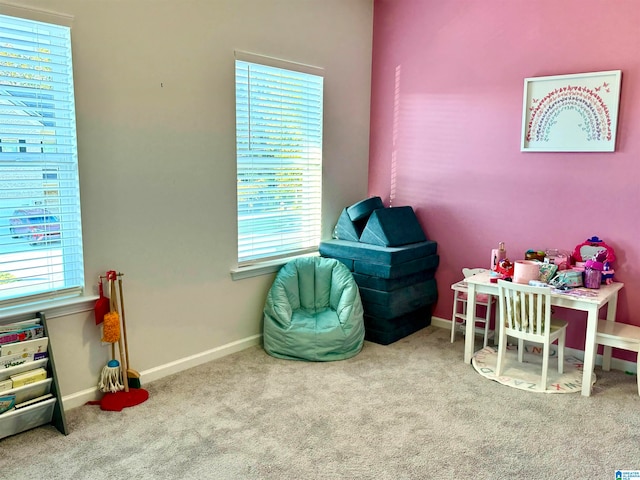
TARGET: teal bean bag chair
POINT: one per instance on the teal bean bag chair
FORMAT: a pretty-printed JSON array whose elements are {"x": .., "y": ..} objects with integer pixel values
[{"x": 313, "y": 312}]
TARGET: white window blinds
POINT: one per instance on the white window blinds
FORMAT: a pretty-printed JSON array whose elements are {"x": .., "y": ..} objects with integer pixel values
[
  {"x": 279, "y": 160},
  {"x": 40, "y": 230}
]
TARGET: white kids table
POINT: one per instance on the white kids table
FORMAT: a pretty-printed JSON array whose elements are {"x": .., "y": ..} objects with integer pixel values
[{"x": 605, "y": 295}]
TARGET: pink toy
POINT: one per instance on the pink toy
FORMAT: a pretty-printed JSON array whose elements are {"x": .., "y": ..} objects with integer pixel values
[
  {"x": 599, "y": 262},
  {"x": 590, "y": 248}
]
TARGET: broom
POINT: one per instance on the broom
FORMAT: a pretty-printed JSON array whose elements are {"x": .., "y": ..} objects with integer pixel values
[
  {"x": 133, "y": 377},
  {"x": 112, "y": 372}
]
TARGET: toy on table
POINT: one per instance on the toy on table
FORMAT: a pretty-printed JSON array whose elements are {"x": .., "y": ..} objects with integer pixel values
[
  {"x": 598, "y": 256},
  {"x": 534, "y": 255},
  {"x": 587, "y": 249},
  {"x": 607, "y": 274},
  {"x": 505, "y": 267}
]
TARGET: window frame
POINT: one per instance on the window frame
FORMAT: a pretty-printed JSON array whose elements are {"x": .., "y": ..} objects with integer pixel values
[
  {"x": 62, "y": 299},
  {"x": 270, "y": 263}
]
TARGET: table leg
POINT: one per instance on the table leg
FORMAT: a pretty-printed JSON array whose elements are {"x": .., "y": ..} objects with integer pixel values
[
  {"x": 589, "y": 350},
  {"x": 469, "y": 337}
]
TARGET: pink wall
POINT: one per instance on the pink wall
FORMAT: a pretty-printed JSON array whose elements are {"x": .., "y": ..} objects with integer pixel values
[{"x": 446, "y": 119}]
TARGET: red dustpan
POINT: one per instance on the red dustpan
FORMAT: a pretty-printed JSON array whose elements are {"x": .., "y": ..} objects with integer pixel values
[
  {"x": 116, "y": 401},
  {"x": 101, "y": 307}
]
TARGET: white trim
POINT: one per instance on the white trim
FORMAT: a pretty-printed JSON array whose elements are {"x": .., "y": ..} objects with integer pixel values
[
  {"x": 37, "y": 14},
  {"x": 80, "y": 398},
  {"x": 278, "y": 63},
  {"x": 616, "y": 363},
  {"x": 265, "y": 267},
  {"x": 51, "y": 308}
]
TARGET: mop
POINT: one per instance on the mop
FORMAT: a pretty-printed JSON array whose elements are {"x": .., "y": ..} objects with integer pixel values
[
  {"x": 116, "y": 398},
  {"x": 111, "y": 377}
]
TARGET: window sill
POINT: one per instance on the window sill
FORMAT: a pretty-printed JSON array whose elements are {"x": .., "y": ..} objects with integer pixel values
[
  {"x": 263, "y": 268},
  {"x": 51, "y": 308}
]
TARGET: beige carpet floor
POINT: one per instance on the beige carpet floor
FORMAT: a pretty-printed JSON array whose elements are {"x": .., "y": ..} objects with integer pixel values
[{"x": 409, "y": 410}]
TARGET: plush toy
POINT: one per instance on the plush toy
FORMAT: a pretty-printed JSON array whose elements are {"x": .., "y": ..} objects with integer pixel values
[{"x": 607, "y": 274}]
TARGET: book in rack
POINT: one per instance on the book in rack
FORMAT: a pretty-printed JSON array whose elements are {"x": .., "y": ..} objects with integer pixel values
[{"x": 27, "y": 368}]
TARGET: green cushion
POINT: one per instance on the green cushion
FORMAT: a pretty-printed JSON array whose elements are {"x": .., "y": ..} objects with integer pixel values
[
  {"x": 386, "y": 331},
  {"x": 347, "y": 229},
  {"x": 313, "y": 311},
  {"x": 392, "y": 227},
  {"x": 396, "y": 270},
  {"x": 375, "y": 253},
  {"x": 400, "y": 301},
  {"x": 364, "y": 208},
  {"x": 389, "y": 284}
]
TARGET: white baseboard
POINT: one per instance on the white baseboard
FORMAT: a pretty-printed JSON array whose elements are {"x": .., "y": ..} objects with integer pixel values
[
  {"x": 78, "y": 399},
  {"x": 616, "y": 363}
]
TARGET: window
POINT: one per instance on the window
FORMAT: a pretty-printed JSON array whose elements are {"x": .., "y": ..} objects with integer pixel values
[
  {"x": 40, "y": 230},
  {"x": 279, "y": 158}
]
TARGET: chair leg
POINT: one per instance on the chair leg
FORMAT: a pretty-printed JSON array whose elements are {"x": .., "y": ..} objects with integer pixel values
[
  {"x": 561, "y": 342},
  {"x": 545, "y": 366},
  {"x": 502, "y": 349},
  {"x": 496, "y": 323},
  {"x": 638, "y": 371},
  {"x": 520, "y": 350},
  {"x": 487, "y": 317},
  {"x": 454, "y": 319}
]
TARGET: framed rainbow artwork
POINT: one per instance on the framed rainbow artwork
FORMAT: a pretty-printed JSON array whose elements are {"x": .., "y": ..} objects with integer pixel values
[{"x": 571, "y": 113}]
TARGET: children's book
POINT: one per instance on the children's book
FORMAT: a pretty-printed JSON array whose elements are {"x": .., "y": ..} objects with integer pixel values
[
  {"x": 28, "y": 377},
  {"x": 6, "y": 385},
  {"x": 31, "y": 347},
  {"x": 13, "y": 327},
  {"x": 7, "y": 402},
  {"x": 22, "y": 335},
  {"x": 39, "y": 399},
  {"x": 18, "y": 359}
]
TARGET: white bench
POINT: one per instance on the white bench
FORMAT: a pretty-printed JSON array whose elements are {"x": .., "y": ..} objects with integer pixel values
[{"x": 619, "y": 335}]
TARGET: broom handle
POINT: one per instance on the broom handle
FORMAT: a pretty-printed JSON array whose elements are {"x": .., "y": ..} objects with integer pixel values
[
  {"x": 125, "y": 380},
  {"x": 124, "y": 323},
  {"x": 123, "y": 362},
  {"x": 111, "y": 292}
]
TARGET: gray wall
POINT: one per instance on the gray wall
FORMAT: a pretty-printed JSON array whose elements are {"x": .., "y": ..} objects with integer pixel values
[{"x": 156, "y": 136}]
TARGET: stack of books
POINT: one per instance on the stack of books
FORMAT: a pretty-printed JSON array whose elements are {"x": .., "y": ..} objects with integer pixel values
[
  {"x": 22, "y": 342},
  {"x": 23, "y": 357}
]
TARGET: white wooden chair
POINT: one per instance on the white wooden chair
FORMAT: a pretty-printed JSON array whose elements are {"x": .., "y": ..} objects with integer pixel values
[
  {"x": 460, "y": 296},
  {"x": 619, "y": 335},
  {"x": 525, "y": 314}
]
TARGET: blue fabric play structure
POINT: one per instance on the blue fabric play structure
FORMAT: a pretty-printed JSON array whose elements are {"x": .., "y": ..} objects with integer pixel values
[
  {"x": 392, "y": 261},
  {"x": 313, "y": 312}
]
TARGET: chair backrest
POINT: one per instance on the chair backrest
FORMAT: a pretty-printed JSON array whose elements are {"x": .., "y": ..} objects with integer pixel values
[
  {"x": 468, "y": 272},
  {"x": 315, "y": 283},
  {"x": 525, "y": 309}
]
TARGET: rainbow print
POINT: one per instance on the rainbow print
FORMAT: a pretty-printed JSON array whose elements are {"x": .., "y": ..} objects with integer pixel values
[{"x": 571, "y": 112}]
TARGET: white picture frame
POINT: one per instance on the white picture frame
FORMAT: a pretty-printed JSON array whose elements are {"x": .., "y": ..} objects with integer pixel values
[{"x": 571, "y": 113}]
